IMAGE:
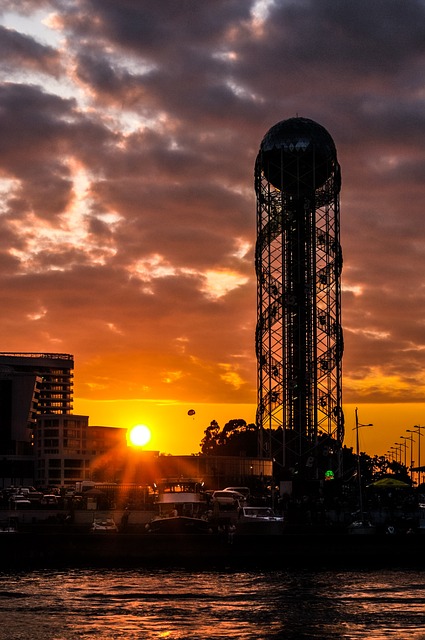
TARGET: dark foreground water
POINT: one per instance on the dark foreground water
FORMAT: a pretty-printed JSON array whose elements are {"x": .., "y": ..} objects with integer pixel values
[{"x": 106, "y": 605}]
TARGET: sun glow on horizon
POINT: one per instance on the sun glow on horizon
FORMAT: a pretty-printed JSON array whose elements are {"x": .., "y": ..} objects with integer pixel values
[{"x": 138, "y": 436}]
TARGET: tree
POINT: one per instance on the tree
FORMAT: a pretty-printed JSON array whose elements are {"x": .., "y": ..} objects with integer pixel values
[
  {"x": 235, "y": 438},
  {"x": 210, "y": 439}
]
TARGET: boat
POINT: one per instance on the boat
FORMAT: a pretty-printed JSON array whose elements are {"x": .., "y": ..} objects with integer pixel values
[
  {"x": 104, "y": 525},
  {"x": 179, "y": 524},
  {"x": 259, "y": 521},
  {"x": 182, "y": 507},
  {"x": 362, "y": 528},
  {"x": 8, "y": 526}
]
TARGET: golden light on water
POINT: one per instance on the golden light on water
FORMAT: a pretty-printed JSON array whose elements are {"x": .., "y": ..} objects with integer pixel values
[{"x": 138, "y": 436}]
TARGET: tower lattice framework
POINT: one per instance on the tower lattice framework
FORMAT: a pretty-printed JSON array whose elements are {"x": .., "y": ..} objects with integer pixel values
[{"x": 299, "y": 340}]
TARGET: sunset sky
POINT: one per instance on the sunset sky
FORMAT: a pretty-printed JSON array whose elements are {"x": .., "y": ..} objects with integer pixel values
[{"x": 128, "y": 135}]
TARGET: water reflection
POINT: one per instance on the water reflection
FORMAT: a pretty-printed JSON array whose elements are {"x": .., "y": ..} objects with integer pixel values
[{"x": 178, "y": 605}]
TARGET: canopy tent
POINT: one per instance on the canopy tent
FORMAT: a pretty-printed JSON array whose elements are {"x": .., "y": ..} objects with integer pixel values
[{"x": 389, "y": 483}]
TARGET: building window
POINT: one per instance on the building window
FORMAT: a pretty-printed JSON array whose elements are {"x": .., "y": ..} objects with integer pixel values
[
  {"x": 71, "y": 444},
  {"x": 74, "y": 474},
  {"x": 71, "y": 433},
  {"x": 74, "y": 464},
  {"x": 51, "y": 442},
  {"x": 51, "y": 423}
]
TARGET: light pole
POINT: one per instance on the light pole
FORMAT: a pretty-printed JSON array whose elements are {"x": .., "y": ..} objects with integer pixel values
[
  {"x": 359, "y": 477},
  {"x": 411, "y": 454},
  {"x": 402, "y": 444},
  {"x": 416, "y": 429},
  {"x": 405, "y": 445},
  {"x": 398, "y": 445}
]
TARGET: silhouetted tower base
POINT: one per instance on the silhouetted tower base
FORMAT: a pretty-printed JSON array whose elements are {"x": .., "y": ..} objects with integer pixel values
[{"x": 298, "y": 263}]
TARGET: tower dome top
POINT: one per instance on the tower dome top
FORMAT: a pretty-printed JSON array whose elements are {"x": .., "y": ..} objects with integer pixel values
[
  {"x": 298, "y": 135},
  {"x": 297, "y": 154}
]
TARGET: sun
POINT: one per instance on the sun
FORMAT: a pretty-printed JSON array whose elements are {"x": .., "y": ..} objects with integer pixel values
[{"x": 139, "y": 435}]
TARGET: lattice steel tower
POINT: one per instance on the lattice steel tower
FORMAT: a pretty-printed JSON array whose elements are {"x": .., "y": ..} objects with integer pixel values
[{"x": 298, "y": 264}]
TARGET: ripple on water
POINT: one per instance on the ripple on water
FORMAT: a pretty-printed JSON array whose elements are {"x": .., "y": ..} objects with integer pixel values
[{"x": 87, "y": 604}]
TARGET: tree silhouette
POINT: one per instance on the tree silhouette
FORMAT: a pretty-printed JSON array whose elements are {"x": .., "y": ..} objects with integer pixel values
[{"x": 235, "y": 439}]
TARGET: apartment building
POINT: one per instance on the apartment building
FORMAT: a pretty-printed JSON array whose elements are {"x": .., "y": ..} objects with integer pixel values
[
  {"x": 67, "y": 450},
  {"x": 56, "y": 373}
]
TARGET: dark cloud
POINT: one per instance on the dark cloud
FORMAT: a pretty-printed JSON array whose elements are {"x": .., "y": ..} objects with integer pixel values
[
  {"x": 370, "y": 38},
  {"x": 39, "y": 131},
  {"x": 122, "y": 200},
  {"x": 159, "y": 29},
  {"x": 19, "y": 50},
  {"x": 23, "y": 7}
]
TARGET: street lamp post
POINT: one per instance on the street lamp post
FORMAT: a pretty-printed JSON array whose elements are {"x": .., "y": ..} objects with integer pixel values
[
  {"x": 417, "y": 429},
  {"x": 359, "y": 477},
  {"x": 411, "y": 456},
  {"x": 402, "y": 444},
  {"x": 398, "y": 445},
  {"x": 405, "y": 445}
]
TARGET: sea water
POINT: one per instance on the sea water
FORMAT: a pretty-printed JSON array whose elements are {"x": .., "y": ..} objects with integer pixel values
[{"x": 177, "y": 604}]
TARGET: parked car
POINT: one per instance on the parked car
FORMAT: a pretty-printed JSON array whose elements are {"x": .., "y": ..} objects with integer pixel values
[
  {"x": 243, "y": 490},
  {"x": 35, "y": 497},
  {"x": 21, "y": 503},
  {"x": 49, "y": 500},
  {"x": 228, "y": 498}
]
